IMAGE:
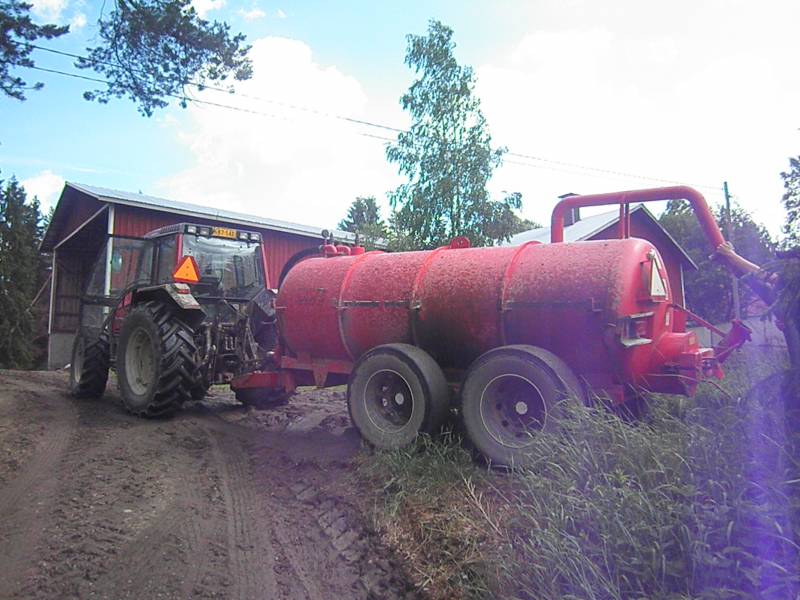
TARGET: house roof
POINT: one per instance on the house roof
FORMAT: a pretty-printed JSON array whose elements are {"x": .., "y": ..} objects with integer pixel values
[
  {"x": 588, "y": 227},
  {"x": 111, "y": 196}
]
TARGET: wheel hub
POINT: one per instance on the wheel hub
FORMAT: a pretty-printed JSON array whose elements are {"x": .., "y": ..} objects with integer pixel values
[
  {"x": 512, "y": 408},
  {"x": 140, "y": 366},
  {"x": 388, "y": 400}
]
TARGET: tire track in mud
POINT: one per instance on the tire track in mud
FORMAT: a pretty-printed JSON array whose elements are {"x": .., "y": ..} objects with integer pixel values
[
  {"x": 251, "y": 556},
  {"x": 106, "y": 505},
  {"x": 22, "y": 500}
]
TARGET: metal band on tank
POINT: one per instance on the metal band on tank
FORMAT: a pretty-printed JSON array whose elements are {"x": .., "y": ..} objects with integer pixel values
[
  {"x": 415, "y": 305},
  {"x": 512, "y": 264},
  {"x": 340, "y": 307}
]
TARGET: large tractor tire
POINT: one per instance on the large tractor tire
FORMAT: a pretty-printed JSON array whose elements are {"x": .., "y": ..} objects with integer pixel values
[
  {"x": 397, "y": 391},
  {"x": 509, "y": 395},
  {"x": 88, "y": 372},
  {"x": 156, "y": 364}
]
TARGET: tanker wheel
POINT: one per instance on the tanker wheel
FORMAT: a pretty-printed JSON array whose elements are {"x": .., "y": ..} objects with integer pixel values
[
  {"x": 88, "y": 372},
  {"x": 156, "y": 364},
  {"x": 397, "y": 391},
  {"x": 510, "y": 394}
]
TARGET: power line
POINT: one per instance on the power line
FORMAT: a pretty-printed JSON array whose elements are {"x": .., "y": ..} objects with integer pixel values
[
  {"x": 582, "y": 171},
  {"x": 612, "y": 172},
  {"x": 202, "y": 86}
]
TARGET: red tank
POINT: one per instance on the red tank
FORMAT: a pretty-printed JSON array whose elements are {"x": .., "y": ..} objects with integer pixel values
[{"x": 604, "y": 307}]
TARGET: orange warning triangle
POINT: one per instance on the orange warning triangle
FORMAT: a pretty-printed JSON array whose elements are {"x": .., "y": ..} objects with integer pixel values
[{"x": 187, "y": 271}]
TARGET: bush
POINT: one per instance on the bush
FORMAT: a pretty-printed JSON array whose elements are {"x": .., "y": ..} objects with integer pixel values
[{"x": 696, "y": 503}]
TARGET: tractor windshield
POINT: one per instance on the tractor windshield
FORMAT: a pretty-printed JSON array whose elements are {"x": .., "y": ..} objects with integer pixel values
[{"x": 228, "y": 268}]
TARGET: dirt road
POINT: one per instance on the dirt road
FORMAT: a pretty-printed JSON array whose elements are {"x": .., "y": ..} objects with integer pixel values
[{"x": 220, "y": 501}]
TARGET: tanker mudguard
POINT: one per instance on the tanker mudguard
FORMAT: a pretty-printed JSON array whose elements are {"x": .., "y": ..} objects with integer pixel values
[{"x": 178, "y": 294}]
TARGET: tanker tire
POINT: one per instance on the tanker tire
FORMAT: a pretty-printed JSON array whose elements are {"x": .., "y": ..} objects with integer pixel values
[
  {"x": 395, "y": 392},
  {"x": 509, "y": 394},
  {"x": 156, "y": 364},
  {"x": 88, "y": 373}
]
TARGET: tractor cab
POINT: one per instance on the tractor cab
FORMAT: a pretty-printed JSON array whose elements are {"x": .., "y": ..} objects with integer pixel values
[{"x": 216, "y": 262}]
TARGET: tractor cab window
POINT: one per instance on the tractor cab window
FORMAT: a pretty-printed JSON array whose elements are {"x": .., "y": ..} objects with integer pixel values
[
  {"x": 228, "y": 268},
  {"x": 166, "y": 259}
]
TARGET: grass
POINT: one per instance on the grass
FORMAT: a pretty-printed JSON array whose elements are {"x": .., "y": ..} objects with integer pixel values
[{"x": 701, "y": 501}]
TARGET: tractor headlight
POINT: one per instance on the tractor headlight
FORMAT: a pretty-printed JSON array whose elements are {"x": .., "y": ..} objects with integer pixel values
[{"x": 191, "y": 229}]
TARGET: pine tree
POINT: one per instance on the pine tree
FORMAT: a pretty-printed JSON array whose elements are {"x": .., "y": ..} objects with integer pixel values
[
  {"x": 364, "y": 218},
  {"x": 20, "y": 274}
]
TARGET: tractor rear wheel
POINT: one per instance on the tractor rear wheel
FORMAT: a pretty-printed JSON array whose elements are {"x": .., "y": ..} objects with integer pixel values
[
  {"x": 156, "y": 363},
  {"x": 397, "y": 391},
  {"x": 88, "y": 372},
  {"x": 510, "y": 394}
]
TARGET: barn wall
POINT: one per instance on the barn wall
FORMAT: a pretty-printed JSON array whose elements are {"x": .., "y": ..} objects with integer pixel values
[
  {"x": 280, "y": 246},
  {"x": 642, "y": 227}
]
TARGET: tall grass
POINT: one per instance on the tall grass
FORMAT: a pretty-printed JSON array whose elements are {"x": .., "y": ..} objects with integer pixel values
[{"x": 700, "y": 501}]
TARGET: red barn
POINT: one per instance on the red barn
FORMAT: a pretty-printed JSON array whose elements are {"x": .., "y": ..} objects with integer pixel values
[
  {"x": 605, "y": 226},
  {"x": 88, "y": 221}
]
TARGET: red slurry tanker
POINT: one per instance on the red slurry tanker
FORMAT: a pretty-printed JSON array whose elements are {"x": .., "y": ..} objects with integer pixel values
[{"x": 502, "y": 334}]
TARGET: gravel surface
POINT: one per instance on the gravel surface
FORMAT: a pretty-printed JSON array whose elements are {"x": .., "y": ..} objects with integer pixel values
[{"x": 219, "y": 501}]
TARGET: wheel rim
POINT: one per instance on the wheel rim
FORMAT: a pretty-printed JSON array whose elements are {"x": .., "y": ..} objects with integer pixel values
[
  {"x": 77, "y": 360},
  {"x": 512, "y": 408},
  {"x": 140, "y": 364},
  {"x": 388, "y": 400}
]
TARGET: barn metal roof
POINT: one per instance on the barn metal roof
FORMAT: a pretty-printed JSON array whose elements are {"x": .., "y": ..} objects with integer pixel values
[
  {"x": 139, "y": 200},
  {"x": 587, "y": 227}
]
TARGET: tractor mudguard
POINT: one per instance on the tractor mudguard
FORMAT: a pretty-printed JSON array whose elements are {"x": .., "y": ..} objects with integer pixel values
[{"x": 177, "y": 294}]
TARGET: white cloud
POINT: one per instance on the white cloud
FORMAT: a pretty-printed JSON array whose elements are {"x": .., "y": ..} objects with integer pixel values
[
  {"x": 253, "y": 14},
  {"x": 279, "y": 14},
  {"x": 286, "y": 164},
  {"x": 78, "y": 22},
  {"x": 672, "y": 104},
  {"x": 49, "y": 10},
  {"x": 46, "y": 186},
  {"x": 203, "y": 7}
]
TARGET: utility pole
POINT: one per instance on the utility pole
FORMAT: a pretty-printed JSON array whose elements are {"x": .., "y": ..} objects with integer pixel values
[{"x": 737, "y": 309}]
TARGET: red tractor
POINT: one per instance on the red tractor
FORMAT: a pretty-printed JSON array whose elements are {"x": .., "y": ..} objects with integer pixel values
[
  {"x": 194, "y": 311},
  {"x": 500, "y": 335}
]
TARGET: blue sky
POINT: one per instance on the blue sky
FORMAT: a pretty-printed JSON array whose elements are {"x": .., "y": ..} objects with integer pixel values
[{"x": 692, "y": 91}]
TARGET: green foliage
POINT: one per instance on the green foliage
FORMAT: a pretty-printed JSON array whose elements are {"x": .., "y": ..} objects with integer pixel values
[
  {"x": 21, "y": 270},
  {"x": 702, "y": 501},
  {"x": 791, "y": 202},
  {"x": 151, "y": 51},
  {"x": 708, "y": 290},
  {"x": 446, "y": 155},
  {"x": 16, "y": 29},
  {"x": 364, "y": 218}
]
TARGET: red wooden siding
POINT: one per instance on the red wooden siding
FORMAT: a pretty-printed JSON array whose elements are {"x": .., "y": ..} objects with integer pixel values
[{"x": 279, "y": 246}]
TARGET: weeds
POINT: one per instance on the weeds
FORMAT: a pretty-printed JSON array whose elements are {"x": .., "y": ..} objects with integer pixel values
[{"x": 701, "y": 501}]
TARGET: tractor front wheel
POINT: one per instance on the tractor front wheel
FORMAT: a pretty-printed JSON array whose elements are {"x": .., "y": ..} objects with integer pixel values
[
  {"x": 88, "y": 372},
  {"x": 156, "y": 363}
]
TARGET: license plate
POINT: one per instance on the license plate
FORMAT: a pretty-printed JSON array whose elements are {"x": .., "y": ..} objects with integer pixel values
[{"x": 224, "y": 232}]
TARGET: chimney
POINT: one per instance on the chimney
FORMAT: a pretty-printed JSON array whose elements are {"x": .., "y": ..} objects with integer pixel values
[{"x": 573, "y": 215}]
